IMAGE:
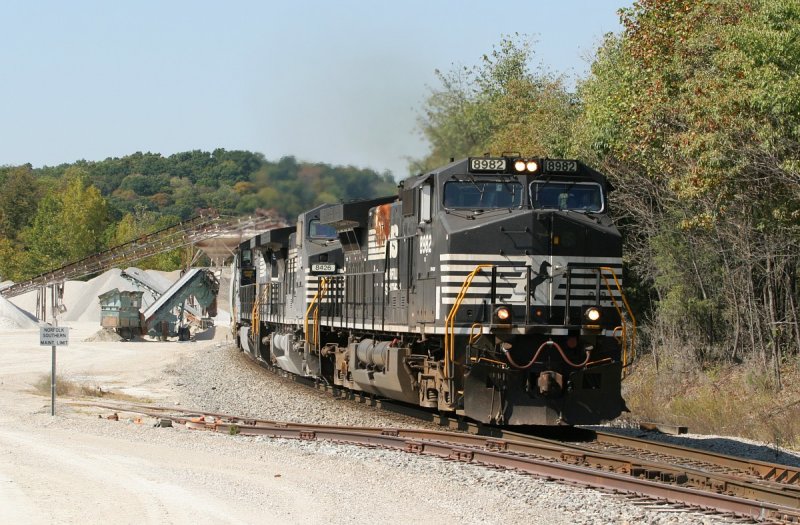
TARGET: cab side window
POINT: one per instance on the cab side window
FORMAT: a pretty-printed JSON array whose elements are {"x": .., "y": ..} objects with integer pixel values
[{"x": 425, "y": 203}]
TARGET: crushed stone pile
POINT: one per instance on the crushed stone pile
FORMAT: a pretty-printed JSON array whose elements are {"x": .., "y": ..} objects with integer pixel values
[
  {"x": 104, "y": 335},
  {"x": 12, "y": 316}
]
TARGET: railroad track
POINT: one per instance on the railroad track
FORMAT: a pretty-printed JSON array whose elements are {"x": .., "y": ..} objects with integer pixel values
[
  {"x": 640, "y": 458},
  {"x": 781, "y": 475},
  {"x": 653, "y": 482},
  {"x": 659, "y": 452},
  {"x": 653, "y": 472}
]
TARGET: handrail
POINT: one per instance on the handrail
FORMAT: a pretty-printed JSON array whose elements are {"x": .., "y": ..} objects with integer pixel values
[
  {"x": 628, "y": 334},
  {"x": 320, "y": 290},
  {"x": 474, "y": 334},
  {"x": 324, "y": 288},
  {"x": 626, "y": 360},
  {"x": 255, "y": 317},
  {"x": 449, "y": 324}
]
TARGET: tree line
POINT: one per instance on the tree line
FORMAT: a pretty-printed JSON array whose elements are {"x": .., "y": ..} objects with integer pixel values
[
  {"x": 53, "y": 215},
  {"x": 693, "y": 111}
]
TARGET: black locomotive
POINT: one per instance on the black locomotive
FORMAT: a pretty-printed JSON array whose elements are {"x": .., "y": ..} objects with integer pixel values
[{"x": 489, "y": 288}]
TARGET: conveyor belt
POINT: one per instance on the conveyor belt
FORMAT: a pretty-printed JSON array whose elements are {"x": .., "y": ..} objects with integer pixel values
[{"x": 201, "y": 227}]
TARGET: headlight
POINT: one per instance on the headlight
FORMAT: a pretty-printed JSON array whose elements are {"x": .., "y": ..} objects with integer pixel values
[
  {"x": 592, "y": 314},
  {"x": 519, "y": 165},
  {"x": 532, "y": 166},
  {"x": 502, "y": 314}
]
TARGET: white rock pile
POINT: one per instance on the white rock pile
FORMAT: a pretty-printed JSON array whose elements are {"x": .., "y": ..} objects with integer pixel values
[
  {"x": 14, "y": 317},
  {"x": 80, "y": 297}
]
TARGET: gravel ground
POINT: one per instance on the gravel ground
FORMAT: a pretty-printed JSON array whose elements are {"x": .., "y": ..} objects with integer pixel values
[{"x": 474, "y": 494}]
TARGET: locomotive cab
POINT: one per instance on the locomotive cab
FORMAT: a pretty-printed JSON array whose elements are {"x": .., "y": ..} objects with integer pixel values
[{"x": 523, "y": 267}]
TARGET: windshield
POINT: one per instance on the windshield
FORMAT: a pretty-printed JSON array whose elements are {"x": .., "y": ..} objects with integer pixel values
[
  {"x": 576, "y": 196},
  {"x": 317, "y": 230},
  {"x": 482, "y": 194}
]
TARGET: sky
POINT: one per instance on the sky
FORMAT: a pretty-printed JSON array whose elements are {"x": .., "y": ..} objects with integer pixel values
[{"x": 338, "y": 82}]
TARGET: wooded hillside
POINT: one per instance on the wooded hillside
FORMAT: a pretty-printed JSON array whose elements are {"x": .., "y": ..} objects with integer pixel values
[{"x": 53, "y": 215}]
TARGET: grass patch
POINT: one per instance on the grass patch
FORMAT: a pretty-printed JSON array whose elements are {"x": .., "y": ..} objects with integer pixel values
[
  {"x": 735, "y": 401},
  {"x": 68, "y": 388}
]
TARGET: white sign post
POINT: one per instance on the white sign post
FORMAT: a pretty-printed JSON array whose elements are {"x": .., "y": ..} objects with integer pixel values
[{"x": 53, "y": 336}]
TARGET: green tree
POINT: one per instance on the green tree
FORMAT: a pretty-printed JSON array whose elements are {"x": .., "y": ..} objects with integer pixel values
[
  {"x": 44, "y": 239},
  {"x": 143, "y": 222},
  {"x": 18, "y": 197},
  {"x": 500, "y": 105},
  {"x": 693, "y": 110},
  {"x": 68, "y": 225},
  {"x": 13, "y": 260},
  {"x": 69, "y": 219},
  {"x": 84, "y": 216}
]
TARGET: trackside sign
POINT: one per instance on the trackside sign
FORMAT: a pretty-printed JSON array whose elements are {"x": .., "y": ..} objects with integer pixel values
[{"x": 54, "y": 336}]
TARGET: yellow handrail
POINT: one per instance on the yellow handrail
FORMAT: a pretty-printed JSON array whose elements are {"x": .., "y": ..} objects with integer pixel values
[
  {"x": 449, "y": 324},
  {"x": 256, "y": 316},
  {"x": 324, "y": 288},
  {"x": 449, "y": 329},
  {"x": 626, "y": 359},
  {"x": 474, "y": 334},
  {"x": 323, "y": 285}
]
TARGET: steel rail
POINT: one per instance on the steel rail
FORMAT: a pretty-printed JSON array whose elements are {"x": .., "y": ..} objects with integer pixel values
[
  {"x": 567, "y": 454},
  {"x": 472, "y": 449},
  {"x": 785, "y": 495},
  {"x": 492, "y": 456},
  {"x": 549, "y": 450},
  {"x": 775, "y": 473},
  {"x": 767, "y": 471}
]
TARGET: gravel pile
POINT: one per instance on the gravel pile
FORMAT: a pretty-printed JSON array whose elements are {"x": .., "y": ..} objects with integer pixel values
[
  {"x": 218, "y": 378},
  {"x": 12, "y": 317},
  {"x": 81, "y": 297},
  {"x": 104, "y": 335}
]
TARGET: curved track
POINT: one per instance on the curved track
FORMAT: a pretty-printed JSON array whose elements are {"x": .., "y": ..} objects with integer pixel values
[{"x": 723, "y": 493}]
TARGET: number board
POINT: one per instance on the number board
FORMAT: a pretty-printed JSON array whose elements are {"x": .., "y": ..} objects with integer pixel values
[
  {"x": 323, "y": 267},
  {"x": 559, "y": 166},
  {"x": 487, "y": 164}
]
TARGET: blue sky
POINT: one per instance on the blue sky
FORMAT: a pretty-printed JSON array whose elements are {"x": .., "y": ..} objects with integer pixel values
[{"x": 339, "y": 82}]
